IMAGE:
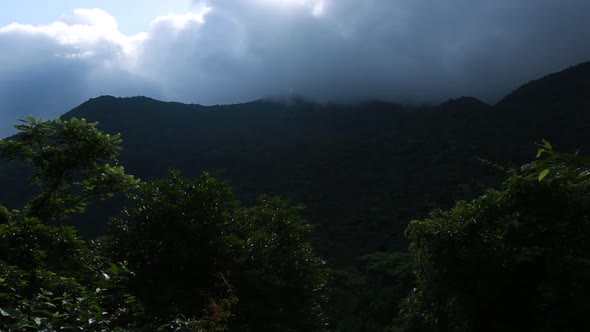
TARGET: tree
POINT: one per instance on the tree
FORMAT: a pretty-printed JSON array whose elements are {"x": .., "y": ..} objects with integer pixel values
[
  {"x": 172, "y": 238},
  {"x": 514, "y": 259},
  {"x": 49, "y": 277},
  {"x": 278, "y": 276},
  {"x": 368, "y": 298},
  {"x": 182, "y": 237},
  {"x": 72, "y": 162}
]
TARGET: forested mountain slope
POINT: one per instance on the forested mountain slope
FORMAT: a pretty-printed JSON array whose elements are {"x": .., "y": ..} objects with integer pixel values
[{"x": 363, "y": 171}]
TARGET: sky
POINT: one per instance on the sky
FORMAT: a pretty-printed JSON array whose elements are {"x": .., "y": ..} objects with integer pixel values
[{"x": 56, "y": 54}]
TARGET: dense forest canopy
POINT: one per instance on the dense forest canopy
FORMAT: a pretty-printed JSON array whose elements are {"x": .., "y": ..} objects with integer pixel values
[{"x": 492, "y": 246}]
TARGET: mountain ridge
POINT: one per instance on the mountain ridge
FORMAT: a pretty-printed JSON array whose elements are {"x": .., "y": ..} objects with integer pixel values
[
  {"x": 577, "y": 74},
  {"x": 363, "y": 170}
]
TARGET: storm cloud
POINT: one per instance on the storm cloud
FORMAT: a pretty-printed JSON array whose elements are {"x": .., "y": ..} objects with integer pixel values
[{"x": 230, "y": 51}]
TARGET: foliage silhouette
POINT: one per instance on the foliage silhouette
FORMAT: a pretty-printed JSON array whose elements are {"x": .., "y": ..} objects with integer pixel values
[{"x": 511, "y": 260}]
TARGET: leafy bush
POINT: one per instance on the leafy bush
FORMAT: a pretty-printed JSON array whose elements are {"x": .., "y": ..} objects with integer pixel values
[{"x": 511, "y": 260}]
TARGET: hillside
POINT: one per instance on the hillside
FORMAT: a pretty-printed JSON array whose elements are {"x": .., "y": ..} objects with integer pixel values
[{"x": 363, "y": 171}]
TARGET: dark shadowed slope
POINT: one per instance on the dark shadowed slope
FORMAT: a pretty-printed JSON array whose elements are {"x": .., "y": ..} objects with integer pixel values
[
  {"x": 568, "y": 88},
  {"x": 555, "y": 107}
]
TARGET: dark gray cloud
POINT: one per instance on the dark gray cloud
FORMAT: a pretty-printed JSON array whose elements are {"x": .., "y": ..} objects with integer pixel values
[{"x": 238, "y": 50}]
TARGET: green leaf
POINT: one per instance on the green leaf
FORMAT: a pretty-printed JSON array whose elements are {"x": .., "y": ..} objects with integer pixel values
[
  {"x": 543, "y": 174},
  {"x": 43, "y": 311},
  {"x": 115, "y": 270},
  {"x": 8, "y": 312},
  {"x": 547, "y": 145}
]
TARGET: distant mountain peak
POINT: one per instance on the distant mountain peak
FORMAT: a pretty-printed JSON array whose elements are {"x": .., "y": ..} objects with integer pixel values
[{"x": 464, "y": 102}]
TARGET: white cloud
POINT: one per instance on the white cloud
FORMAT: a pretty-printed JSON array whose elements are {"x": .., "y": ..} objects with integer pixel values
[
  {"x": 83, "y": 31},
  {"x": 314, "y": 7},
  {"x": 48, "y": 69}
]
